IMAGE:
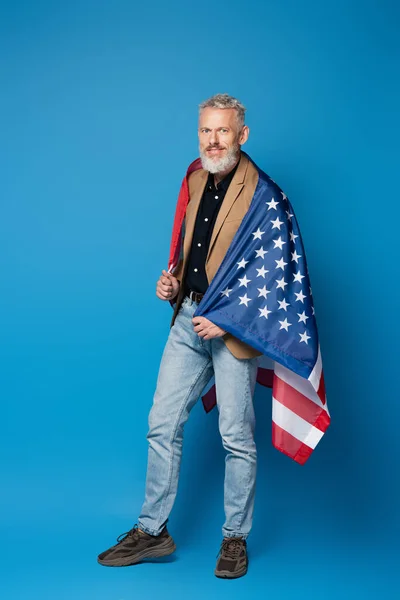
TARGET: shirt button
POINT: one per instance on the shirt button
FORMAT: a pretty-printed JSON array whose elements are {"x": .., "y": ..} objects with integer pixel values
[
  {"x": 199, "y": 244},
  {"x": 195, "y": 270},
  {"x": 216, "y": 197},
  {"x": 206, "y": 219}
]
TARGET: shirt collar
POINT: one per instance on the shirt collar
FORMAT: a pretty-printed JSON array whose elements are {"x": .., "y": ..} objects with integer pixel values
[{"x": 225, "y": 182}]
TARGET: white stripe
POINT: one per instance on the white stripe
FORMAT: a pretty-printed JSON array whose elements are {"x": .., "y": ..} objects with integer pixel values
[
  {"x": 315, "y": 375},
  {"x": 299, "y": 383},
  {"x": 295, "y": 425}
]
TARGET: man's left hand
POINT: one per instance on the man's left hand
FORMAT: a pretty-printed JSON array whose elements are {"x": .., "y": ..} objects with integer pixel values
[{"x": 205, "y": 329}]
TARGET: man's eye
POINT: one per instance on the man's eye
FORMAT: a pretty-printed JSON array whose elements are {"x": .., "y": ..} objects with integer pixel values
[{"x": 224, "y": 130}]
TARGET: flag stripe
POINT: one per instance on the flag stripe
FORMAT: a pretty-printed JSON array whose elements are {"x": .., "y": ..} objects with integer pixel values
[
  {"x": 180, "y": 211},
  {"x": 209, "y": 399},
  {"x": 315, "y": 375},
  {"x": 289, "y": 445},
  {"x": 321, "y": 390},
  {"x": 298, "y": 403},
  {"x": 299, "y": 383},
  {"x": 265, "y": 377},
  {"x": 295, "y": 425}
]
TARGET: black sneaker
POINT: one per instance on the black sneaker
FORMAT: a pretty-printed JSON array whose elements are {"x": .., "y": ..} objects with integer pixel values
[
  {"x": 232, "y": 558},
  {"x": 134, "y": 546}
]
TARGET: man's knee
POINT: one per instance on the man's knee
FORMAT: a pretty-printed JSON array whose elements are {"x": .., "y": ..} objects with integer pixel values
[
  {"x": 237, "y": 439},
  {"x": 165, "y": 424},
  {"x": 237, "y": 424}
]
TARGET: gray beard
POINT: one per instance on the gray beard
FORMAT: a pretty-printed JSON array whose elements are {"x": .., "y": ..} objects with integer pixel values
[{"x": 221, "y": 165}]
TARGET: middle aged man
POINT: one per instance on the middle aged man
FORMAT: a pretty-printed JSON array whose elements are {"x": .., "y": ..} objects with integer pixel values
[{"x": 220, "y": 195}]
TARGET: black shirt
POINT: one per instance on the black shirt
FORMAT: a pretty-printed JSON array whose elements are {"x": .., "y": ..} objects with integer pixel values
[{"x": 213, "y": 196}]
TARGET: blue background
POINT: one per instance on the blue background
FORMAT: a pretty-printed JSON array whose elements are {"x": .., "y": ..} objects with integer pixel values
[{"x": 98, "y": 118}]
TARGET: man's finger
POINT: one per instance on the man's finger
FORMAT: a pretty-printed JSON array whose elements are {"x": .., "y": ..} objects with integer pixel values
[{"x": 164, "y": 291}]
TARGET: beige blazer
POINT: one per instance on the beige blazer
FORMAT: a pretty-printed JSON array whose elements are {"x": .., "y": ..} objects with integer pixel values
[{"x": 233, "y": 208}]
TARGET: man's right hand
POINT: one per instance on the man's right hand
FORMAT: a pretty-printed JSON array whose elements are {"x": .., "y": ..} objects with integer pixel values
[{"x": 167, "y": 286}]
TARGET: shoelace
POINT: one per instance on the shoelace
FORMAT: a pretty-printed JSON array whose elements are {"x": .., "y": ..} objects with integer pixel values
[
  {"x": 231, "y": 547},
  {"x": 131, "y": 533}
]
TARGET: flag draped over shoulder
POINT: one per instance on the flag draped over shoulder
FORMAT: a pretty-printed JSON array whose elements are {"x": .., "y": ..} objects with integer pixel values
[{"x": 262, "y": 295}]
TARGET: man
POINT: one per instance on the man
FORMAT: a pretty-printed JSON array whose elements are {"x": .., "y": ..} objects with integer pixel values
[{"x": 220, "y": 195}]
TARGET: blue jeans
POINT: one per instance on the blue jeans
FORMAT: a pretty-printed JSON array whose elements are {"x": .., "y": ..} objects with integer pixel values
[{"x": 187, "y": 364}]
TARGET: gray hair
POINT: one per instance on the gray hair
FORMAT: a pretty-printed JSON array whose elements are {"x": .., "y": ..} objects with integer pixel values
[{"x": 225, "y": 101}]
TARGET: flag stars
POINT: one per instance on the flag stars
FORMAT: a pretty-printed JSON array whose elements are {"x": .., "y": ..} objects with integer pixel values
[
  {"x": 260, "y": 252},
  {"x": 284, "y": 325},
  {"x": 257, "y": 234},
  {"x": 289, "y": 215},
  {"x": 226, "y": 292},
  {"x": 293, "y": 236},
  {"x": 295, "y": 256},
  {"x": 302, "y": 317},
  {"x": 244, "y": 281},
  {"x": 300, "y": 296},
  {"x": 276, "y": 224},
  {"x": 298, "y": 276},
  {"x": 304, "y": 337},
  {"x": 284, "y": 197},
  {"x": 242, "y": 263},
  {"x": 244, "y": 299},
  {"x": 263, "y": 292},
  {"x": 280, "y": 264},
  {"x": 264, "y": 312},
  {"x": 283, "y": 305},
  {"x": 261, "y": 272},
  {"x": 273, "y": 204},
  {"x": 281, "y": 283},
  {"x": 279, "y": 243}
]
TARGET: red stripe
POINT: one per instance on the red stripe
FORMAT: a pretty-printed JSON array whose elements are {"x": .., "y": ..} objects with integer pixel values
[
  {"x": 299, "y": 404},
  {"x": 321, "y": 389},
  {"x": 180, "y": 211},
  {"x": 289, "y": 445},
  {"x": 323, "y": 421},
  {"x": 210, "y": 399},
  {"x": 265, "y": 377}
]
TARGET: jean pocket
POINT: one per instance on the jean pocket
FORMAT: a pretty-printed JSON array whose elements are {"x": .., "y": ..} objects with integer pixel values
[
  {"x": 183, "y": 304},
  {"x": 186, "y": 301}
]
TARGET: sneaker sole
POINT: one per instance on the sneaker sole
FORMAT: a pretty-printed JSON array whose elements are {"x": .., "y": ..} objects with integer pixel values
[
  {"x": 164, "y": 549},
  {"x": 230, "y": 574}
]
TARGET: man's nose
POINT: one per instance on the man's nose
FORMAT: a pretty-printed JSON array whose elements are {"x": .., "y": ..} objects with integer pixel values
[{"x": 214, "y": 138}]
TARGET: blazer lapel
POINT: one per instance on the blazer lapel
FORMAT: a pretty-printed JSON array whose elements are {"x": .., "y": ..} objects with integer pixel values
[{"x": 233, "y": 192}]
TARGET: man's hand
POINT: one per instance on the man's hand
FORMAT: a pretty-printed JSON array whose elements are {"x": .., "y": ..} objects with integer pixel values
[
  {"x": 167, "y": 286},
  {"x": 205, "y": 329}
]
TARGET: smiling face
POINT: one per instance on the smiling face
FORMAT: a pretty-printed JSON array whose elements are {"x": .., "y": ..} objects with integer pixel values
[{"x": 220, "y": 139}]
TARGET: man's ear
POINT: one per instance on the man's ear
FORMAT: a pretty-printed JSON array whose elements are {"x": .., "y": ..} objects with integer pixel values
[{"x": 244, "y": 135}]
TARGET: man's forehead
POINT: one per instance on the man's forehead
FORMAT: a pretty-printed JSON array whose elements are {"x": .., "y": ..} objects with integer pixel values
[{"x": 221, "y": 116}]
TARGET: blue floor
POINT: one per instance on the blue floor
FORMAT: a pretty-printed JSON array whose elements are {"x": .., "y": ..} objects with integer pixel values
[
  {"x": 309, "y": 540},
  {"x": 60, "y": 563}
]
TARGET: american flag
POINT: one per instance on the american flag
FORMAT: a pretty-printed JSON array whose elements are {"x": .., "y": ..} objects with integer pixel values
[{"x": 262, "y": 295}]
